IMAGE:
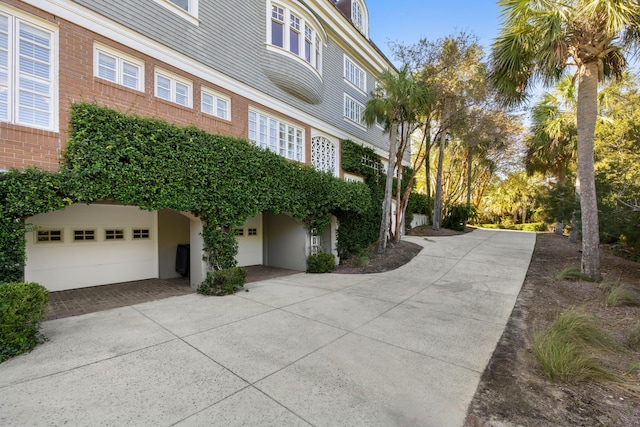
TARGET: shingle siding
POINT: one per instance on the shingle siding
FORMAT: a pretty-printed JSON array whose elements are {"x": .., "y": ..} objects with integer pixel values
[{"x": 230, "y": 39}]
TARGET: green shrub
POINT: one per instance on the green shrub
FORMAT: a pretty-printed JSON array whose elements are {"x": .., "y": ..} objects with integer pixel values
[
  {"x": 533, "y": 226},
  {"x": 457, "y": 215},
  {"x": 621, "y": 296},
  {"x": 22, "y": 308},
  {"x": 223, "y": 282},
  {"x": 324, "y": 262}
]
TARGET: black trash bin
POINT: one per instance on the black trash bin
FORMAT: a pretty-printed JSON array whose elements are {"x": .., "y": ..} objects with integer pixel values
[{"x": 183, "y": 259}]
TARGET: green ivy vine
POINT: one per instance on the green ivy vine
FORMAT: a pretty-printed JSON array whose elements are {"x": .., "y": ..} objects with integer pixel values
[{"x": 154, "y": 165}]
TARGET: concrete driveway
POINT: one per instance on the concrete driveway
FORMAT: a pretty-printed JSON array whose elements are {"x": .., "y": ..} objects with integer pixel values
[{"x": 405, "y": 348}]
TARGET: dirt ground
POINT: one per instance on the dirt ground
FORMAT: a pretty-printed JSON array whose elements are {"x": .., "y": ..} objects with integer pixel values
[{"x": 513, "y": 390}]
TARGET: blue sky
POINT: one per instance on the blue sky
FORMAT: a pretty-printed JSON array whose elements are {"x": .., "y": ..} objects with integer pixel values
[{"x": 410, "y": 20}]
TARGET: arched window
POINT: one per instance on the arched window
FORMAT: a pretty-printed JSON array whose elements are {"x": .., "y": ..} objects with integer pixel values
[
  {"x": 359, "y": 16},
  {"x": 323, "y": 154}
]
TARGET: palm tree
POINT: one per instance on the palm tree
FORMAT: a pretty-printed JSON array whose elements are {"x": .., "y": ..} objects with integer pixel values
[
  {"x": 539, "y": 40},
  {"x": 396, "y": 104}
]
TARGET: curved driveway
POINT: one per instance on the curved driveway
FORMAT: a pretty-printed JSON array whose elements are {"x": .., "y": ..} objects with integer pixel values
[{"x": 403, "y": 348}]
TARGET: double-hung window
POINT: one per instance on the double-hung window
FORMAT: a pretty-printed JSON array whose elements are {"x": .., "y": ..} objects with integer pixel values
[
  {"x": 277, "y": 26},
  {"x": 28, "y": 72},
  {"x": 275, "y": 135},
  {"x": 353, "y": 110},
  {"x": 173, "y": 88},
  {"x": 118, "y": 68},
  {"x": 354, "y": 74},
  {"x": 215, "y": 104}
]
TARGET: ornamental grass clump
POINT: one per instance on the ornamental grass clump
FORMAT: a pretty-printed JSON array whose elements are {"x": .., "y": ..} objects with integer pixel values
[
  {"x": 573, "y": 274},
  {"x": 566, "y": 350},
  {"x": 22, "y": 308},
  {"x": 633, "y": 339},
  {"x": 621, "y": 296}
]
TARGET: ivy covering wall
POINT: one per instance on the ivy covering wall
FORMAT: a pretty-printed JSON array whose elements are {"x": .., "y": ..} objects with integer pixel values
[
  {"x": 359, "y": 229},
  {"x": 154, "y": 165}
]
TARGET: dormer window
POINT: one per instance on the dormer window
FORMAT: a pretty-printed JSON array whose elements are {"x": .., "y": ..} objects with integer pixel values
[{"x": 359, "y": 16}]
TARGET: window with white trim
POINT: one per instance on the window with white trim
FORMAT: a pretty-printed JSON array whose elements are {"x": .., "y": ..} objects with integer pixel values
[
  {"x": 215, "y": 104},
  {"x": 173, "y": 88},
  {"x": 49, "y": 236},
  {"x": 140, "y": 233},
  {"x": 277, "y": 136},
  {"x": 353, "y": 110},
  {"x": 354, "y": 74},
  {"x": 290, "y": 30},
  {"x": 187, "y": 9},
  {"x": 114, "y": 234},
  {"x": 323, "y": 154},
  {"x": 84, "y": 235},
  {"x": 358, "y": 16},
  {"x": 28, "y": 72},
  {"x": 116, "y": 67}
]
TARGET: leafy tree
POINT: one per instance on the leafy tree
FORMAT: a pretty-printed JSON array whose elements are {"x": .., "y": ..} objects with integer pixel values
[
  {"x": 551, "y": 144},
  {"x": 396, "y": 104},
  {"x": 539, "y": 40},
  {"x": 617, "y": 150},
  {"x": 451, "y": 68}
]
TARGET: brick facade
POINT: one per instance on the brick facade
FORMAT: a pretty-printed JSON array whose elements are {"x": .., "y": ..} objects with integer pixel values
[{"x": 25, "y": 146}]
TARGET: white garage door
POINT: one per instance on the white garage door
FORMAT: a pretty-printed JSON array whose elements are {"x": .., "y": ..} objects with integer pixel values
[
  {"x": 249, "y": 238},
  {"x": 83, "y": 246}
]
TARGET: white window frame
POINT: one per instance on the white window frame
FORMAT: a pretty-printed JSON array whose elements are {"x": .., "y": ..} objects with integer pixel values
[
  {"x": 276, "y": 135},
  {"x": 191, "y": 15},
  {"x": 358, "y": 108},
  {"x": 139, "y": 233},
  {"x": 355, "y": 75},
  {"x": 48, "y": 232},
  {"x": 303, "y": 22},
  {"x": 114, "y": 234},
  {"x": 121, "y": 59},
  {"x": 84, "y": 233},
  {"x": 174, "y": 80},
  {"x": 216, "y": 96},
  {"x": 15, "y": 18}
]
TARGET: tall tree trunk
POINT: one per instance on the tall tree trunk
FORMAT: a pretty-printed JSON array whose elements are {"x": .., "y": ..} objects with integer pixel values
[
  {"x": 399, "y": 211},
  {"x": 587, "y": 115},
  {"x": 562, "y": 182},
  {"x": 437, "y": 203},
  {"x": 386, "y": 205},
  {"x": 575, "y": 215},
  {"x": 469, "y": 170},
  {"x": 427, "y": 173}
]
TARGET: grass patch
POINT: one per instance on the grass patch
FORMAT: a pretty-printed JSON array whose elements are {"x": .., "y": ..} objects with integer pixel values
[
  {"x": 620, "y": 296},
  {"x": 633, "y": 339},
  {"x": 572, "y": 273},
  {"x": 606, "y": 286},
  {"x": 566, "y": 349}
]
